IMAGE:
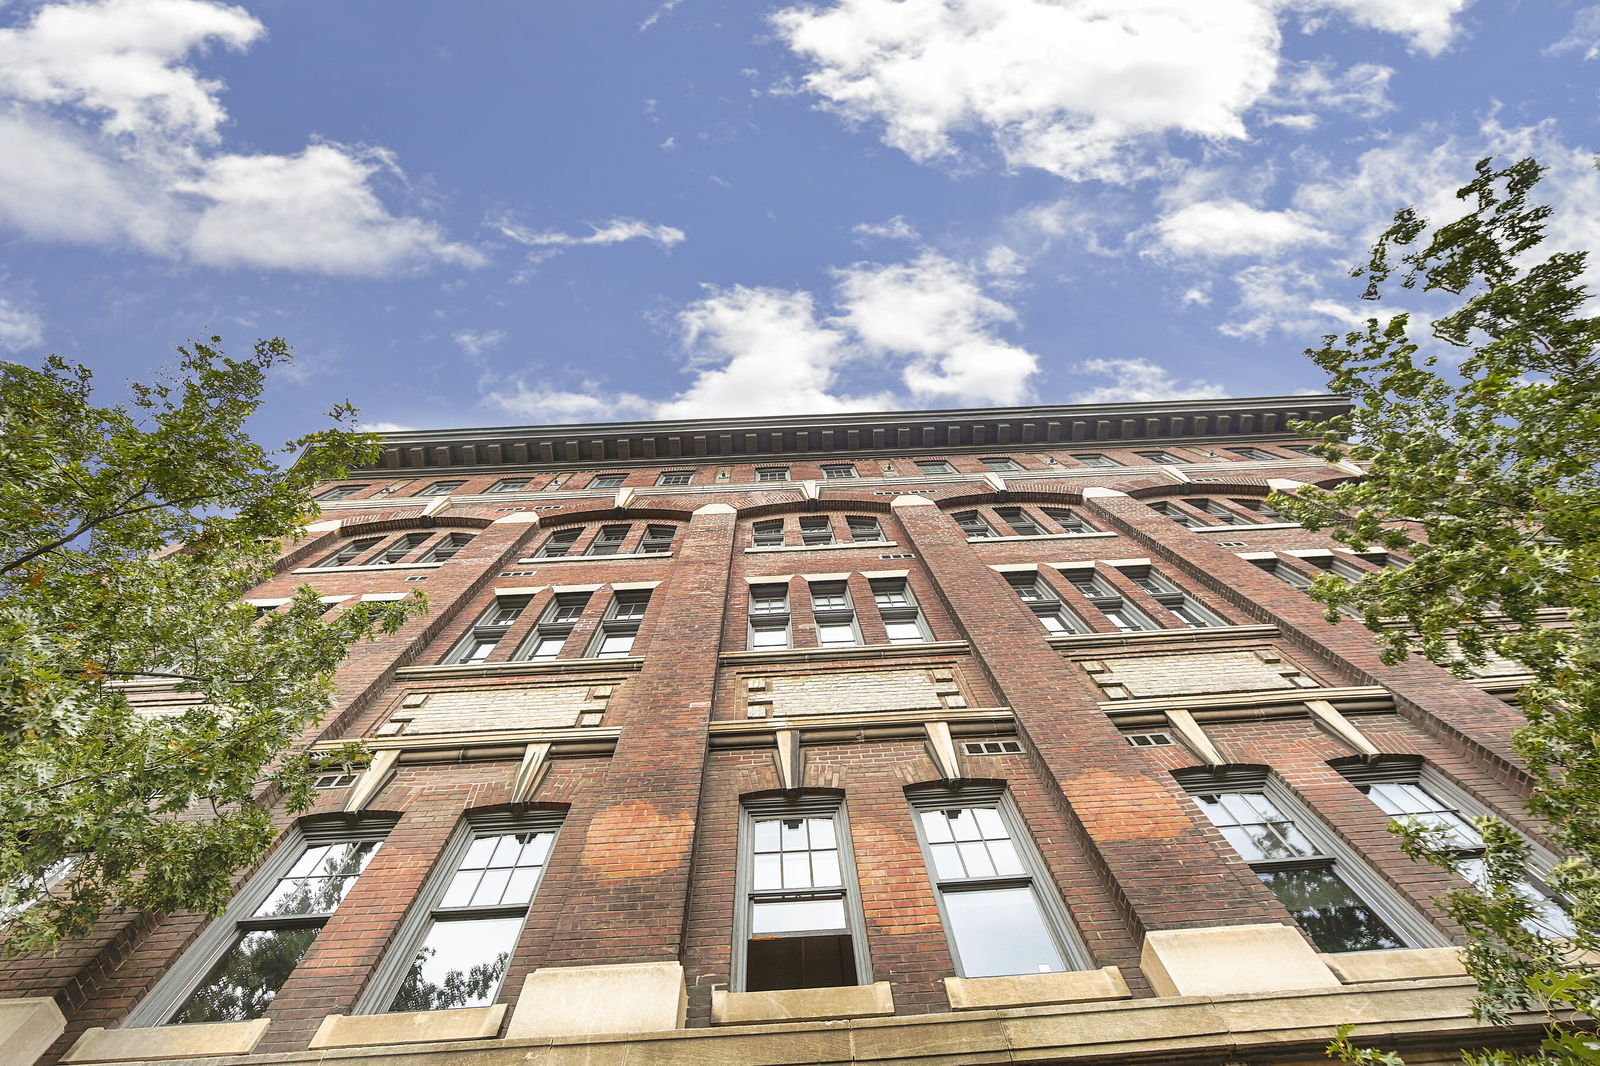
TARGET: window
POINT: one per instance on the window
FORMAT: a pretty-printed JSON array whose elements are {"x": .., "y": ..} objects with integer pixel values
[
  {"x": 1108, "y": 602},
  {"x": 335, "y": 780},
  {"x": 401, "y": 548},
  {"x": 1305, "y": 868},
  {"x": 1215, "y": 510},
  {"x": 349, "y": 552},
  {"x": 1052, "y": 614},
  {"x": 608, "y": 541},
  {"x": 1397, "y": 787},
  {"x": 768, "y": 533},
  {"x": 341, "y": 492},
  {"x": 934, "y": 466},
  {"x": 1096, "y": 459},
  {"x": 999, "y": 911},
  {"x": 1253, "y": 453},
  {"x": 816, "y": 529},
  {"x": 555, "y": 626},
  {"x": 1178, "y": 514},
  {"x": 799, "y": 923},
  {"x": 864, "y": 529},
  {"x": 1168, "y": 595},
  {"x": 1000, "y": 463},
  {"x": 1069, "y": 520},
  {"x": 30, "y": 890},
  {"x": 238, "y": 964},
  {"x": 973, "y": 525},
  {"x": 835, "y": 615},
  {"x": 675, "y": 477},
  {"x": 1149, "y": 740},
  {"x": 558, "y": 544},
  {"x": 838, "y": 470},
  {"x": 1264, "y": 509},
  {"x": 620, "y": 626},
  {"x": 1281, "y": 570},
  {"x": 488, "y": 630},
  {"x": 607, "y": 482},
  {"x": 657, "y": 540},
  {"x": 1161, "y": 458},
  {"x": 441, "y": 488},
  {"x": 1299, "y": 449},
  {"x": 769, "y": 616},
  {"x": 902, "y": 618},
  {"x": 1020, "y": 521},
  {"x": 454, "y": 947},
  {"x": 772, "y": 473},
  {"x": 447, "y": 548},
  {"x": 509, "y": 484}
]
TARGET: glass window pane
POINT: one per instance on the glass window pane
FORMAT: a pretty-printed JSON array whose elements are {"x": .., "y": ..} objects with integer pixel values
[
  {"x": 767, "y": 872},
  {"x": 903, "y": 632},
  {"x": 308, "y": 862},
  {"x": 976, "y": 858},
  {"x": 963, "y": 824},
  {"x": 245, "y": 980},
  {"x": 523, "y": 881},
  {"x": 822, "y": 835},
  {"x": 793, "y": 834},
  {"x": 836, "y": 634},
  {"x": 936, "y": 826},
  {"x": 459, "y": 964},
  {"x": 1001, "y": 931},
  {"x": 491, "y": 888},
  {"x": 796, "y": 916},
  {"x": 989, "y": 823},
  {"x": 1007, "y": 863},
  {"x": 1332, "y": 915},
  {"x": 537, "y": 849},
  {"x": 796, "y": 869},
  {"x": 947, "y": 861},
  {"x": 478, "y": 853},
  {"x": 825, "y": 868},
  {"x": 506, "y": 850},
  {"x": 459, "y": 894}
]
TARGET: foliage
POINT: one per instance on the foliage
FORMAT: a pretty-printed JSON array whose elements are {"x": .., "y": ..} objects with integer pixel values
[
  {"x": 1482, "y": 440},
  {"x": 127, "y": 535}
]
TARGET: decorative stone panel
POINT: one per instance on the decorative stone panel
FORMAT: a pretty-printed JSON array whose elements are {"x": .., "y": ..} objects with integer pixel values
[
  {"x": 1195, "y": 674},
  {"x": 852, "y": 692},
  {"x": 485, "y": 709}
]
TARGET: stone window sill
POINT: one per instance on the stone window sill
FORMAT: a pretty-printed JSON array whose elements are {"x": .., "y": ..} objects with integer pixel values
[
  {"x": 554, "y": 559},
  {"x": 801, "y": 1004},
  {"x": 1036, "y": 989},
  {"x": 160, "y": 1042},
  {"x": 821, "y": 547},
  {"x": 1404, "y": 964},
  {"x": 409, "y": 1027},
  {"x": 1040, "y": 536}
]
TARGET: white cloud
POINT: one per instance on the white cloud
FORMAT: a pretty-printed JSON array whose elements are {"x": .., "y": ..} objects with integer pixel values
[
  {"x": 658, "y": 14},
  {"x": 1584, "y": 35},
  {"x": 384, "y": 427},
  {"x": 544, "y": 405},
  {"x": 1140, "y": 381},
  {"x": 896, "y": 229},
  {"x": 1081, "y": 88},
  {"x": 1289, "y": 299},
  {"x": 476, "y": 342},
  {"x": 1361, "y": 89},
  {"x": 20, "y": 329},
  {"x": 615, "y": 231},
  {"x": 1218, "y": 228},
  {"x": 110, "y": 138}
]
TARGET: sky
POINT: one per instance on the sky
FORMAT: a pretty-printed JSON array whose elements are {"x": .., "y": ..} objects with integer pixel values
[{"x": 495, "y": 212}]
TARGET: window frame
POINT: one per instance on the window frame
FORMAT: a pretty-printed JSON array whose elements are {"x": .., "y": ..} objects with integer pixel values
[
  {"x": 814, "y": 805},
  {"x": 181, "y": 981},
  {"x": 772, "y": 473},
  {"x": 400, "y": 547},
  {"x": 1163, "y": 458},
  {"x": 768, "y": 618},
  {"x": 563, "y": 539},
  {"x": 675, "y": 477},
  {"x": 834, "y": 616},
  {"x": 1045, "y": 603},
  {"x": 651, "y": 542},
  {"x": 1172, "y": 599},
  {"x": 1098, "y": 460},
  {"x": 508, "y": 484},
  {"x": 855, "y": 524},
  {"x": 819, "y": 532},
  {"x": 839, "y": 471},
  {"x": 1109, "y": 602},
  {"x": 1064, "y": 934},
  {"x": 356, "y": 546},
  {"x": 1020, "y": 521},
  {"x": 451, "y": 544},
  {"x": 595, "y": 482},
  {"x": 1001, "y": 464},
  {"x": 1069, "y": 519},
  {"x": 434, "y": 488},
  {"x": 551, "y": 625},
  {"x": 910, "y": 611},
  {"x": 339, "y": 492},
  {"x": 488, "y": 629},
  {"x": 615, "y": 623},
  {"x": 943, "y": 467},
  {"x": 974, "y": 525},
  {"x": 392, "y": 968}
]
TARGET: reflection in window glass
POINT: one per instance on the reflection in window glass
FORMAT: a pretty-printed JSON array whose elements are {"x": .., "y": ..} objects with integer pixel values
[{"x": 1001, "y": 931}]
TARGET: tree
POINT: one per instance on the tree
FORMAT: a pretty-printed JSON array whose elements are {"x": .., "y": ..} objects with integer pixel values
[
  {"x": 127, "y": 535},
  {"x": 1483, "y": 435}
]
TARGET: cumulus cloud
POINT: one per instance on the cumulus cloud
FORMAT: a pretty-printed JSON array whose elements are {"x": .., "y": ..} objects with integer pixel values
[
  {"x": 895, "y": 229},
  {"x": 1219, "y": 228},
  {"x": 613, "y": 232},
  {"x": 1081, "y": 88},
  {"x": 587, "y": 404},
  {"x": 476, "y": 342},
  {"x": 384, "y": 427},
  {"x": 20, "y": 329},
  {"x": 111, "y": 137},
  {"x": 1288, "y": 298},
  {"x": 1140, "y": 381}
]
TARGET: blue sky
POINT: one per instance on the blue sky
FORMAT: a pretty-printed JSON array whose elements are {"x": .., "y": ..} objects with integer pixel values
[{"x": 496, "y": 212}]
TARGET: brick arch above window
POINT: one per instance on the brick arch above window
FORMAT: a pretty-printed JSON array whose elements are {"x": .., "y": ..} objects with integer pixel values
[
  {"x": 1012, "y": 495},
  {"x": 403, "y": 524}
]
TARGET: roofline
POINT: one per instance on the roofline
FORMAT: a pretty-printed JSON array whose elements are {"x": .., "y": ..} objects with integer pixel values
[{"x": 854, "y": 432}]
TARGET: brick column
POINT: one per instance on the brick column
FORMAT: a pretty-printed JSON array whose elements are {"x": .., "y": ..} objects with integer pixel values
[
  {"x": 1162, "y": 869},
  {"x": 1465, "y": 717},
  {"x": 634, "y": 846}
]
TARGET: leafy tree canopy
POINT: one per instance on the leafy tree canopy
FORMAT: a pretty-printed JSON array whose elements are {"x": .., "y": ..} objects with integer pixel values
[
  {"x": 1482, "y": 432},
  {"x": 128, "y": 534}
]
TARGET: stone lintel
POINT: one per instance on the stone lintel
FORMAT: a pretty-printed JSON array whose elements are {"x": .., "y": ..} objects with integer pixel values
[
  {"x": 1230, "y": 959},
  {"x": 1036, "y": 989},
  {"x": 801, "y": 1004},
  {"x": 161, "y": 1042},
  {"x": 408, "y": 1027},
  {"x": 640, "y": 997}
]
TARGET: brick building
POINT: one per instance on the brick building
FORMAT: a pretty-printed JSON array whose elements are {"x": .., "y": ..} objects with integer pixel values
[{"x": 990, "y": 736}]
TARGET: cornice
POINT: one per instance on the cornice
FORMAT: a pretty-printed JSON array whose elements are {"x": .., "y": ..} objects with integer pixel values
[{"x": 858, "y": 434}]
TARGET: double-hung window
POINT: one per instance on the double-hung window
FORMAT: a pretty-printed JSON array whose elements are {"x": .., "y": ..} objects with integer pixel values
[
  {"x": 1178, "y": 514},
  {"x": 1180, "y": 606},
  {"x": 1264, "y": 509},
  {"x": 350, "y": 551},
  {"x": 1000, "y": 464},
  {"x": 508, "y": 484},
  {"x": 1253, "y": 453},
  {"x": 1000, "y": 912},
  {"x": 447, "y": 547},
  {"x": 769, "y": 616},
  {"x": 550, "y": 635},
  {"x": 657, "y": 540},
  {"x": 1052, "y": 614},
  {"x": 1409, "y": 792},
  {"x": 934, "y": 466},
  {"x": 833, "y": 471},
  {"x": 1337, "y": 900},
  {"x": 1096, "y": 459},
  {"x": 237, "y": 965},
  {"x": 816, "y": 529},
  {"x": 606, "y": 482},
  {"x": 1214, "y": 510},
  {"x": 1108, "y": 601},
  {"x": 558, "y": 544},
  {"x": 902, "y": 618},
  {"x": 620, "y": 626},
  {"x": 675, "y": 477},
  {"x": 402, "y": 547},
  {"x": 488, "y": 630},
  {"x": 799, "y": 922},
  {"x": 864, "y": 529},
  {"x": 341, "y": 492},
  {"x": 1020, "y": 521},
  {"x": 772, "y": 473},
  {"x": 608, "y": 541},
  {"x": 440, "y": 488},
  {"x": 1161, "y": 458},
  {"x": 767, "y": 533},
  {"x": 834, "y": 614},
  {"x": 973, "y": 525},
  {"x": 454, "y": 947},
  {"x": 1281, "y": 570},
  {"x": 1068, "y": 519}
]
